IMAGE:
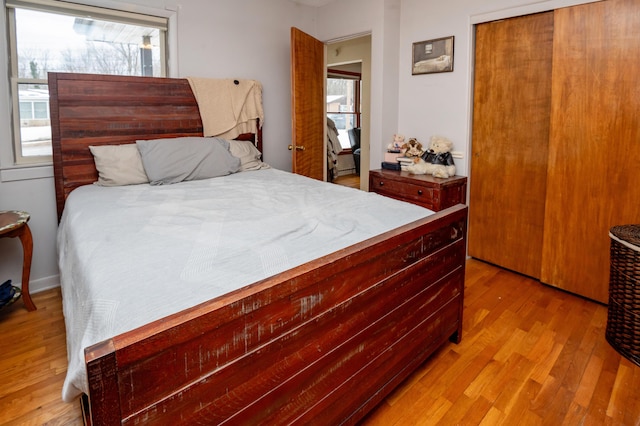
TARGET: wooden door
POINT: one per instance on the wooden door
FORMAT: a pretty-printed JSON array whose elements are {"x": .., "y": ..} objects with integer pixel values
[
  {"x": 307, "y": 105},
  {"x": 512, "y": 92},
  {"x": 594, "y": 156}
]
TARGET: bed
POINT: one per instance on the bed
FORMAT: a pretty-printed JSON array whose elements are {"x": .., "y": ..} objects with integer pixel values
[
  {"x": 439, "y": 64},
  {"x": 319, "y": 339}
]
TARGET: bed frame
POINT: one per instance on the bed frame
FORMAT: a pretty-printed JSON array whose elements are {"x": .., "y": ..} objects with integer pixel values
[{"x": 322, "y": 343}]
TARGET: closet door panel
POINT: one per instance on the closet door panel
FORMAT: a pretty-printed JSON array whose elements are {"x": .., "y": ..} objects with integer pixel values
[
  {"x": 594, "y": 153},
  {"x": 512, "y": 96}
]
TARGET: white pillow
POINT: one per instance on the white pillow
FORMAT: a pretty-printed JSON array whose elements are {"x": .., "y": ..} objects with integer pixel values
[
  {"x": 248, "y": 154},
  {"x": 118, "y": 165},
  {"x": 175, "y": 160}
]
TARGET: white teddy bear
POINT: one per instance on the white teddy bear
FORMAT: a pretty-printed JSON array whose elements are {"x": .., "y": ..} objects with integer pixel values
[
  {"x": 436, "y": 161},
  {"x": 396, "y": 145}
]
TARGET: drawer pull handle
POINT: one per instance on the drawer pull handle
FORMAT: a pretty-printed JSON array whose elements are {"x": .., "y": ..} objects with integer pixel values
[
  {"x": 381, "y": 183},
  {"x": 419, "y": 191}
]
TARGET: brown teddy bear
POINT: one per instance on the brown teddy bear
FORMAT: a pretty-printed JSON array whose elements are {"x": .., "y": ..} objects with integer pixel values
[{"x": 413, "y": 148}]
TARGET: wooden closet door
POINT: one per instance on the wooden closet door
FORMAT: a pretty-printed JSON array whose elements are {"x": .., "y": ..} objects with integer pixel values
[
  {"x": 511, "y": 109},
  {"x": 594, "y": 154}
]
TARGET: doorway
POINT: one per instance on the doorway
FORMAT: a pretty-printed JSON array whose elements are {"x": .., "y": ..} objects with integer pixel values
[
  {"x": 350, "y": 59},
  {"x": 344, "y": 89},
  {"x": 309, "y": 59}
]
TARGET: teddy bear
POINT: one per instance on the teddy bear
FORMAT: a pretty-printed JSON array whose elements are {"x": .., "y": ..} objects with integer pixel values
[
  {"x": 413, "y": 148},
  {"x": 436, "y": 161},
  {"x": 396, "y": 145}
]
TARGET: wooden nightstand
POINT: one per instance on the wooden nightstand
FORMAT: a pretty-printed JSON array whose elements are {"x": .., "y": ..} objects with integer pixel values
[
  {"x": 424, "y": 190},
  {"x": 14, "y": 224}
]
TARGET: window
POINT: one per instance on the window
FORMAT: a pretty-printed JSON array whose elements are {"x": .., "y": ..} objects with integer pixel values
[
  {"x": 49, "y": 35},
  {"x": 343, "y": 102}
]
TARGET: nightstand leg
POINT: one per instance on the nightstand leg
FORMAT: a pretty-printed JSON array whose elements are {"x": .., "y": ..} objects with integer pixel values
[{"x": 27, "y": 249}]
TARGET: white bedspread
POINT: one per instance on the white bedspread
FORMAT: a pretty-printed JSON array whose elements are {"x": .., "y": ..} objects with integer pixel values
[{"x": 132, "y": 254}]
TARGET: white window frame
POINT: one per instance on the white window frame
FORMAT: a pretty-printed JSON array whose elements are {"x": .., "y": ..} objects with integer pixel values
[{"x": 104, "y": 10}]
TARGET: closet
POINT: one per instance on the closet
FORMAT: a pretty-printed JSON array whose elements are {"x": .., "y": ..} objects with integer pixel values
[{"x": 556, "y": 142}]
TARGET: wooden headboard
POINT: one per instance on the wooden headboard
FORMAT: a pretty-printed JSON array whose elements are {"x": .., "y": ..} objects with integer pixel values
[{"x": 92, "y": 109}]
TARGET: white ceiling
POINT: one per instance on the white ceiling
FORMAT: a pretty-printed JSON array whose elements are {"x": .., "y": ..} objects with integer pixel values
[{"x": 315, "y": 3}]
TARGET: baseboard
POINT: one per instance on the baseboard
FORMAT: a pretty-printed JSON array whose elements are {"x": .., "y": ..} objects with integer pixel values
[{"x": 42, "y": 284}]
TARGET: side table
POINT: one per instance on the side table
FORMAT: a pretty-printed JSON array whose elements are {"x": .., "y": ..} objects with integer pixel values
[{"x": 13, "y": 224}]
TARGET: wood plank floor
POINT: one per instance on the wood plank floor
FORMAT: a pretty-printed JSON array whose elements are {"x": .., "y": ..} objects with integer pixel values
[
  {"x": 33, "y": 363},
  {"x": 352, "y": 181},
  {"x": 530, "y": 355}
]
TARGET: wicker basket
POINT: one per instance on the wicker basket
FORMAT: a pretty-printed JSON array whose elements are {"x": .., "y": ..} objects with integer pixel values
[{"x": 623, "y": 321}]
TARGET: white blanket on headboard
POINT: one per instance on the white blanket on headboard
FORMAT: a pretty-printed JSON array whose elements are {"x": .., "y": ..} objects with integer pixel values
[
  {"x": 228, "y": 107},
  {"x": 129, "y": 255}
]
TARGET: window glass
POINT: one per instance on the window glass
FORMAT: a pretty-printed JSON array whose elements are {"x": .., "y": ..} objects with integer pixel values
[
  {"x": 70, "y": 41},
  {"x": 35, "y": 127},
  {"x": 40, "y": 110},
  {"x": 343, "y": 106},
  {"x": 26, "y": 111}
]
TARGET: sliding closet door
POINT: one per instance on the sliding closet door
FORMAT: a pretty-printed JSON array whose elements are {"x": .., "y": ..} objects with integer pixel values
[
  {"x": 594, "y": 154},
  {"x": 512, "y": 92}
]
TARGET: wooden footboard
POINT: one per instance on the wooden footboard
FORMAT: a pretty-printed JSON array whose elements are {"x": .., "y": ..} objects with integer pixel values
[{"x": 322, "y": 343}]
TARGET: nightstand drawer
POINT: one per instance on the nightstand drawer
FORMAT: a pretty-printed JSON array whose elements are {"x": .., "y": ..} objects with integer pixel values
[
  {"x": 426, "y": 191},
  {"x": 404, "y": 191}
]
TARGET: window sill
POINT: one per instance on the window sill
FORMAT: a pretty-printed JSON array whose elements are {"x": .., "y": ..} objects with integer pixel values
[{"x": 26, "y": 173}]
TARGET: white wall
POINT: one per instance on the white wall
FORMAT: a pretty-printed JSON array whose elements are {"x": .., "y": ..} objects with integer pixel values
[
  {"x": 247, "y": 39},
  {"x": 440, "y": 104},
  {"x": 221, "y": 38},
  {"x": 381, "y": 19},
  {"x": 422, "y": 105}
]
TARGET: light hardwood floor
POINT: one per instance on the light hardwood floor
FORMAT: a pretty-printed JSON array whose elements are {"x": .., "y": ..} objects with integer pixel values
[
  {"x": 530, "y": 355},
  {"x": 352, "y": 181}
]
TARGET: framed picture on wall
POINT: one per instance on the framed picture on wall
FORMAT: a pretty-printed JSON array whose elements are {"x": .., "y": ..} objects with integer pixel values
[{"x": 431, "y": 56}]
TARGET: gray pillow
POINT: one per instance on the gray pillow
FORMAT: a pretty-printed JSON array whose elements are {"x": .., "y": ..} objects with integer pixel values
[{"x": 189, "y": 158}]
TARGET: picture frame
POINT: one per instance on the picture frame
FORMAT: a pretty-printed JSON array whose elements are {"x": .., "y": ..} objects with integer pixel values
[{"x": 432, "y": 56}]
